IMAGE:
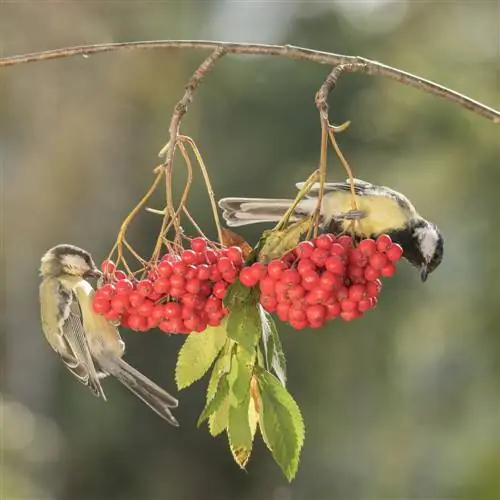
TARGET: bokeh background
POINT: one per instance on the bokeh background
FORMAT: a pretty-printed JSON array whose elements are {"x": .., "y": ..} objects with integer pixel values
[{"x": 402, "y": 404}]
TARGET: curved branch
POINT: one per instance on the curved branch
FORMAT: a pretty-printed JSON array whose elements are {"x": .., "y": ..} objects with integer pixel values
[{"x": 359, "y": 64}]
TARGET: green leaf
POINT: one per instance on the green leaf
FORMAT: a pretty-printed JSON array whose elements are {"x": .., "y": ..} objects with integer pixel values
[
  {"x": 244, "y": 326},
  {"x": 213, "y": 404},
  {"x": 198, "y": 353},
  {"x": 239, "y": 432},
  {"x": 217, "y": 422},
  {"x": 281, "y": 423},
  {"x": 275, "y": 357},
  {"x": 242, "y": 364},
  {"x": 279, "y": 242}
]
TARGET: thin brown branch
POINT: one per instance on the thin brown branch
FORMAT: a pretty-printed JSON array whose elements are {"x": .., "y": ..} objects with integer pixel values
[{"x": 360, "y": 64}]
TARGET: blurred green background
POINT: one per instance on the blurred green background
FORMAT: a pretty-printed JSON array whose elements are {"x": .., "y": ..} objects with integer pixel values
[{"x": 402, "y": 404}]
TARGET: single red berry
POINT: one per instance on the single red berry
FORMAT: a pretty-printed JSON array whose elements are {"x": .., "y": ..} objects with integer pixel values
[
  {"x": 189, "y": 257},
  {"x": 389, "y": 270},
  {"x": 296, "y": 314},
  {"x": 119, "y": 303},
  {"x": 177, "y": 281},
  {"x": 357, "y": 258},
  {"x": 259, "y": 270},
  {"x": 310, "y": 280},
  {"x": 172, "y": 310},
  {"x": 225, "y": 265},
  {"x": 205, "y": 289},
  {"x": 213, "y": 305},
  {"x": 342, "y": 293},
  {"x": 316, "y": 314},
  {"x": 318, "y": 296},
  {"x": 329, "y": 281},
  {"x": 367, "y": 247},
  {"x": 290, "y": 277},
  {"x": 192, "y": 301},
  {"x": 193, "y": 286},
  {"x": 114, "y": 316},
  {"x": 158, "y": 312},
  {"x": 214, "y": 320},
  {"x": 215, "y": 274},
  {"x": 282, "y": 311},
  {"x": 136, "y": 322},
  {"x": 166, "y": 326},
  {"x": 219, "y": 290},
  {"x": 281, "y": 289},
  {"x": 339, "y": 250},
  {"x": 332, "y": 310},
  {"x": 247, "y": 277},
  {"x": 335, "y": 265},
  {"x": 146, "y": 308},
  {"x": 203, "y": 272},
  {"x": 177, "y": 325},
  {"x": 323, "y": 241},
  {"x": 136, "y": 298},
  {"x": 349, "y": 315},
  {"x": 305, "y": 266},
  {"x": 355, "y": 273},
  {"x": 179, "y": 268},
  {"x": 319, "y": 256},
  {"x": 275, "y": 269},
  {"x": 161, "y": 285},
  {"x": 230, "y": 276},
  {"x": 211, "y": 256},
  {"x": 108, "y": 266},
  {"x": 346, "y": 241},
  {"x": 199, "y": 244},
  {"x": 373, "y": 288},
  {"x": 106, "y": 291},
  {"x": 356, "y": 292},
  {"x": 296, "y": 292},
  {"x": 348, "y": 305},
  {"x": 123, "y": 286},
  {"x": 235, "y": 255},
  {"x": 383, "y": 242},
  {"x": 304, "y": 249},
  {"x": 154, "y": 296},
  {"x": 298, "y": 324},
  {"x": 164, "y": 269},
  {"x": 269, "y": 302},
  {"x": 378, "y": 261},
  {"x": 152, "y": 322},
  {"x": 371, "y": 274},
  {"x": 394, "y": 253},
  {"x": 120, "y": 275},
  {"x": 177, "y": 292},
  {"x": 144, "y": 287},
  {"x": 101, "y": 305},
  {"x": 365, "y": 304},
  {"x": 267, "y": 285},
  {"x": 187, "y": 312},
  {"x": 191, "y": 272}
]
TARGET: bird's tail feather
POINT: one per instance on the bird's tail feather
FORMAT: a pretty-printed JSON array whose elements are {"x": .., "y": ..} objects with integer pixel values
[
  {"x": 243, "y": 211},
  {"x": 145, "y": 389}
]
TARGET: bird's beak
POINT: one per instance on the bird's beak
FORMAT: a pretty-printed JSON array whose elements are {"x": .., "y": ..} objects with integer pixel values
[
  {"x": 423, "y": 272},
  {"x": 93, "y": 273}
]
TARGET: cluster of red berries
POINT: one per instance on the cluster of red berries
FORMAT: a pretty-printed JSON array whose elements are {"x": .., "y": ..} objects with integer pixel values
[
  {"x": 325, "y": 278},
  {"x": 182, "y": 294}
]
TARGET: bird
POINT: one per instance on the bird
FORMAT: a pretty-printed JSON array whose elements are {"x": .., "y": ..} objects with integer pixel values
[
  {"x": 88, "y": 344},
  {"x": 380, "y": 210}
]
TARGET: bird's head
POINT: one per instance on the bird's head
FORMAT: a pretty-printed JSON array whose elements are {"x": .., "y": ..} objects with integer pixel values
[
  {"x": 429, "y": 247},
  {"x": 68, "y": 260}
]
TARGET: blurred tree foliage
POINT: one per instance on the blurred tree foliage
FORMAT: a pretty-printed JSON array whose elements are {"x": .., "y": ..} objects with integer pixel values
[{"x": 404, "y": 403}]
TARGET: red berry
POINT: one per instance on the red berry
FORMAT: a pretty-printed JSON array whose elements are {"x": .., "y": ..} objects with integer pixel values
[
  {"x": 335, "y": 265},
  {"x": 215, "y": 274},
  {"x": 146, "y": 308},
  {"x": 177, "y": 325},
  {"x": 373, "y": 288},
  {"x": 137, "y": 323},
  {"x": 357, "y": 258},
  {"x": 389, "y": 270},
  {"x": 298, "y": 324},
  {"x": 383, "y": 242},
  {"x": 106, "y": 291},
  {"x": 269, "y": 302},
  {"x": 161, "y": 285},
  {"x": 101, "y": 305},
  {"x": 332, "y": 310},
  {"x": 230, "y": 276},
  {"x": 119, "y": 303},
  {"x": 318, "y": 296},
  {"x": 394, "y": 253},
  {"x": 177, "y": 281},
  {"x": 296, "y": 292},
  {"x": 378, "y": 261},
  {"x": 310, "y": 280},
  {"x": 319, "y": 256},
  {"x": 367, "y": 247},
  {"x": 199, "y": 244},
  {"x": 282, "y": 311},
  {"x": 235, "y": 255},
  {"x": 356, "y": 292},
  {"x": 123, "y": 286},
  {"x": 164, "y": 269},
  {"x": 213, "y": 305},
  {"x": 172, "y": 310},
  {"x": 345, "y": 241},
  {"x": 297, "y": 314},
  {"x": 193, "y": 286},
  {"x": 225, "y": 265},
  {"x": 158, "y": 312},
  {"x": 166, "y": 326},
  {"x": 113, "y": 316},
  {"x": 187, "y": 312},
  {"x": 203, "y": 272},
  {"x": 365, "y": 304},
  {"x": 259, "y": 271},
  {"x": 323, "y": 241},
  {"x": 190, "y": 257},
  {"x": 275, "y": 269},
  {"x": 342, "y": 293},
  {"x": 338, "y": 249},
  {"x": 305, "y": 266},
  {"x": 108, "y": 266},
  {"x": 349, "y": 315},
  {"x": 136, "y": 298},
  {"x": 247, "y": 277},
  {"x": 211, "y": 256},
  {"x": 154, "y": 296},
  {"x": 120, "y": 275},
  {"x": 316, "y": 314},
  {"x": 290, "y": 277},
  {"x": 177, "y": 292},
  {"x": 371, "y": 274},
  {"x": 219, "y": 290},
  {"x": 205, "y": 289},
  {"x": 348, "y": 305},
  {"x": 267, "y": 285},
  {"x": 355, "y": 273},
  {"x": 179, "y": 268},
  {"x": 329, "y": 281},
  {"x": 191, "y": 272},
  {"x": 304, "y": 249},
  {"x": 144, "y": 287}
]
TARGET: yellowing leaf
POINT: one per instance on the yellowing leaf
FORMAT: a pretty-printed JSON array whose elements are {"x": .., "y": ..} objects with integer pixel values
[
  {"x": 239, "y": 432},
  {"x": 198, "y": 353},
  {"x": 232, "y": 239}
]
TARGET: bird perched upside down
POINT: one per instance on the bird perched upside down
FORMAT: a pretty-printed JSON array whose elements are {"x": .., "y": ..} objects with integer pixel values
[
  {"x": 88, "y": 344},
  {"x": 381, "y": 210}
]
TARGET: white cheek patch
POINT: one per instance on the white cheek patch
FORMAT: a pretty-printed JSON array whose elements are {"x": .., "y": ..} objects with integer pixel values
[{"x": 428, "y": 238}]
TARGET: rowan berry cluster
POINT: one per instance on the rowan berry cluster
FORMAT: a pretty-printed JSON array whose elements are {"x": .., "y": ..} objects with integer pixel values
[
  {"x": 325, "y": 278},
  {"x": 183, "y": 293}
]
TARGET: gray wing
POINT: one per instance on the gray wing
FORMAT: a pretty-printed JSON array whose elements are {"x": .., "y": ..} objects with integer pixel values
[
  {"x": 360, "y": 187},
  {"x": 63, "y": 327}
]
